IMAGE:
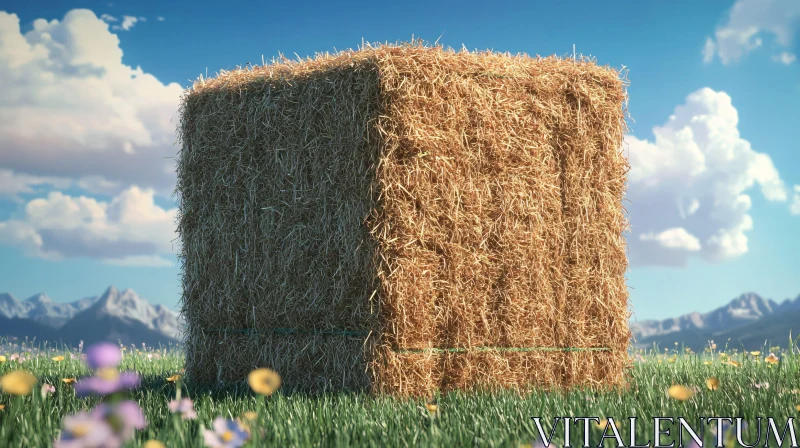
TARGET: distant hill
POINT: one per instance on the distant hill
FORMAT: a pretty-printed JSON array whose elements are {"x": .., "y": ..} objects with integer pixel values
[
  {"x": 112, "y": 316},
  {"x": 747, "y": 322}
]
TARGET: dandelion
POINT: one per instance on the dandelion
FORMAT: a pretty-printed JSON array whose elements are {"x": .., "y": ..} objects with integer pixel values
[
  {"x": 2, "y": 406},
  {"x": 2, "y": 358},
  {"x": 57, "y": 358},
  {"x": 604, "y": 422},
  {"x": 153, "y": 444},
  {"x": 772, "y": 359},
  {"x": 680, "y": 393},
  {"x": 18, "y": 382},
  {"x": 712, "y": 383},
  {"x": 797, "y": 407},
  {"x": 225, "y": 434},
  {"x": 431, "y": 407},
  {"x": 85, "y": 430},
  {"x": 732, "y": 363},
  {"x": 756, "y": 353},
  {"x": 68, "y": 380},
  {"x": 264, "y": 381},
  {"x": 174, "y": 378},
  {"x": 184, "y": 407},
  {"x": 708, "y": 363},
  {"x": 250, "y": 415}
]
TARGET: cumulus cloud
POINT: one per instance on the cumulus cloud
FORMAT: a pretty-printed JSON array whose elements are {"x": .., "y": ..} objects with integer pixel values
[
  {"x": 747, "y": 23},
  {"x": 128, "y": 230},
  {"x": 71, "y": 109},
  {"x": 688, "y": 186},
  {"x": 127, "y": 23},
  {"x": 794, "y": 208}
]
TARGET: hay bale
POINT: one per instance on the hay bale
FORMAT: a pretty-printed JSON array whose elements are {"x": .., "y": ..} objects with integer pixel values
[{"x": 404, "y": 219}]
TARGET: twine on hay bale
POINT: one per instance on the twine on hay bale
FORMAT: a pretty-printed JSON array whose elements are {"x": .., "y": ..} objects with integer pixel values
[{"x": 404, "y": 219}]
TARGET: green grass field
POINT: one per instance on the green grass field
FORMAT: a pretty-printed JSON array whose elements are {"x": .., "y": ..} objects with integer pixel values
[{"x": 504, "y": 419}]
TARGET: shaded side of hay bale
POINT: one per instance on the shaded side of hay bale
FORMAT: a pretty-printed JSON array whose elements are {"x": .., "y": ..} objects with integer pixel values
[{"x": 276, "y": 180}]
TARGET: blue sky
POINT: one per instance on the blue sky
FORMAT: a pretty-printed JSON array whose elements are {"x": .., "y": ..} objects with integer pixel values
[{"x": 85, "y": 131}]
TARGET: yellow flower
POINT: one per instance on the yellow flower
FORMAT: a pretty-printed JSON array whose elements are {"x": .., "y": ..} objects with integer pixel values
[
  {"x": 680, "y": 393},
  {"x": 250, "y": 415},
  {"x": 797, "y": 407},
  {"x": 2, "y": 406},
  {"x": 604, "y": 422},
  {"x": 58, "y": 358},
  {"x": 431, "y": 407},
  {"x": 2, "y": 358},
  {"x": 708, "y": 363},
  {"x": 755, "y": 353},
  {"x": 174, "y": 378},
  {"x": 18, "y": 382},
  {"x": 264, "y": 381},
  {"x": 733, "y": 363},
  {"x": 772, "y": 359},
  {"x": 154, "y": 444},
  {"x": 68, "y": 380},
  {"x": 712, "y": 383}
]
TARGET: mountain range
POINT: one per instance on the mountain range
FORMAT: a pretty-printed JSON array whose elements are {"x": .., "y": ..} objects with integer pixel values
[
  {"x": 112, "y": 316},
  {"x": 748, "y": 322}
]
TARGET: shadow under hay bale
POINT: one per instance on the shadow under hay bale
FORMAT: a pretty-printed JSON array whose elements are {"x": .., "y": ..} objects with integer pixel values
[{"x": 403, "y": 219}]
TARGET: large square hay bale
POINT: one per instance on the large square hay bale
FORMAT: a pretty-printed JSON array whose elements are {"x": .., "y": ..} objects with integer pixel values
[{"x": 403, "y": 219}]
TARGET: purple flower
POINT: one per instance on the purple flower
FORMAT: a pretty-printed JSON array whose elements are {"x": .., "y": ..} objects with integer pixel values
[
  {"x": 107, "y": 382},
  {"x": 83, "y": 430},
  {"x": 124, "y": 417},
  {"x": 226, "y": 434},
  {"x": 185, "y": 407},
  {"x": 103, "y": 355}
]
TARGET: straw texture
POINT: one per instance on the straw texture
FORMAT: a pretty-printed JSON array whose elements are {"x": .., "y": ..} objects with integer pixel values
[{"x": 404, "y": 219}]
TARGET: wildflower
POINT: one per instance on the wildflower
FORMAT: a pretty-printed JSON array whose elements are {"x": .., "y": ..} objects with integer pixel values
[
  {"x": 226, "y": 434},
  {"x": 68, "y": 380},
  {"x": 103, "y": 355},
  {"x": 85, "y": 430},
  {"x": 2, "y": 358},
  {"x": 604, "y": 422},
  {"x": 174, "y": 378},
  {"x": 14, "y": 357},
  {"x": 185, "y": 407},
  {"x": 58, "y": 358},
  {"x": 47, "y": 389},
  {"x": 797, "y": 407},
  {"x": 772, "y": 359},
  {"x": 154, "y": 444},
  {"x": 2, "y": 406},
  {"x": 755, "y": 353},
  {"x": 250, "y": 415},
  {"x": 432, "y": 407},
  {"x": 264, "y": 381},
  {"x": 712, "y": 383},
  {"x": 107, "y": 381},
  {"x": 764, "y": 385},
  {"x": 124, "y": 417},
  {"x": 732, "y": 363},
  {"x": 680, "y": 393},
  {"x": 708, "y": 363},
  {"x": 18, "y": 382}
]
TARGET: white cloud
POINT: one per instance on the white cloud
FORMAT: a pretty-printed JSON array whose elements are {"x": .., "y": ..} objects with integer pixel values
[
  {"x": 688, "y": 186},
  {"x": 747, "y": 22},
  {"x": 784, "y": 58},
  {"x": 13, "y": 184},
  {"x": 129, "y": 230},
  {"x": 70, "y": 108},
  {"x": 108, "y": 18},
  {"x": 127, "y": 23},
  {"x": 794, "y": 208},
  {"x": 160, "y": 19},
  {"x": 676, "y": 238}
]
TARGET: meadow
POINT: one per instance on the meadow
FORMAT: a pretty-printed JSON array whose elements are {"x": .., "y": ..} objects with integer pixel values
[{"x": 35, "y": 409}]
